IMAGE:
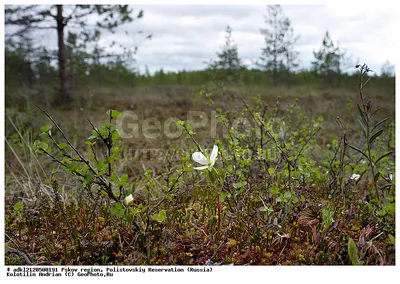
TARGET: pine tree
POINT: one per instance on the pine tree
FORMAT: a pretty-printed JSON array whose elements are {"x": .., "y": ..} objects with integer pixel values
[
  {"x": 57, "y": 17},
  {"x": 329, "y": 60},
  {"x": 278, "y": 54},
  {"x": 228, "y": 66}
]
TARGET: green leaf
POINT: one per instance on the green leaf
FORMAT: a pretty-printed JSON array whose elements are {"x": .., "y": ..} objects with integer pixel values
[
  {"x": 391, "y": 240},
  {"x": 385, "y": 186},
  {"x": 269, "y": 209},
  {"x": 376, "y": 135},
  {"x": 36, "y": 147},
  {"x": 44, "y": 145},
  {"x": 390, "y": 208},
  {"x": 117, "y": 209},
  {"x": 83, "y": 169},
  {"x": 160, "y": 217},
  {"x": 124, "y": 178},
  {"x": 46, "y": 128},
  {"x": 362, "y": 114},
  {"x": 115, "y": 135},
  {"x": 383, "y": 156},
  {"x": 93, "y": 136},
  {"x": 113, "y": 128},
  {"x": 62, "y": 147},
  {"x": 115, "y": 151},
  {"x": 114, "y": 113},
  {"x": 358, "y": 150},
  {"x": 287, "y": 195},
  {"x": 362, "y": 127},
  {"x": 353, "y": 252},
  {"x": 376, "y": 177},
  {"x": 169, "y": 197},
  {"x": 238, "y": 185},
  {"x": 188, "y": 170},
  {"x": 18, "y": 206},
  {"x": 66, "y": 160},
  {"x": 223, "y": 196},
  {"x": 114, "y": 178},
  {"x": 90, "y": 143},
  {"x": 106, "y": 124},
  {"x": 379, "y": 123},
  {"x": 295, "y": 174},
  {"x": 88, "y": 177},
  {"x": 103, "y": 132},
  {"x": 271, "y": 171},
  {"x": 72, "y": 166},
  {"x": 274, "y": 190},
  {"x": 102, "y": 168}
]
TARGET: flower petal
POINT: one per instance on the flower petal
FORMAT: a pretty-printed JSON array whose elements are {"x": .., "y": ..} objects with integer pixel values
[
  {"x": 199, "y": 158},
  {"x": 201, "y": 168},
  {"x": 214, "y": 154},
  {"x": 128, "y": 199}
]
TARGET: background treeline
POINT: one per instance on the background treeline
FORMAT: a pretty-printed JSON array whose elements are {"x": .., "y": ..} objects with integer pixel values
[
  {"x": 21, "y": 70},
  {"x": 80, "y": 61}
]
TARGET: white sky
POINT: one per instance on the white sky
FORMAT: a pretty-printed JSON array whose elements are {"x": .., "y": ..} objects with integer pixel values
[{"x": 185, "y": 36}]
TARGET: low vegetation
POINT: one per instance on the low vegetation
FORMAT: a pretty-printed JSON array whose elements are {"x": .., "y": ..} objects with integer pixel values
[{"x": 292, "y": 176}]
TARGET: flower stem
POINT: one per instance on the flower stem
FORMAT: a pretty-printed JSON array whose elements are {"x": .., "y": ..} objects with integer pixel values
[{"x": 219, "y": 206}]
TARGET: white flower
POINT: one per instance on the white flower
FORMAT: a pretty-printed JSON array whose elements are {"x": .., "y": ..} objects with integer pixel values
[
  {"x": 206, "y": 162},
  {"x": 355, "y": 176},
  {"x": 128, "y": 199}
]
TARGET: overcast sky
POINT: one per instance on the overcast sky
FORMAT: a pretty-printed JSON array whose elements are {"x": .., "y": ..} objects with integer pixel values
[{"x": 185, "y": 36}]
